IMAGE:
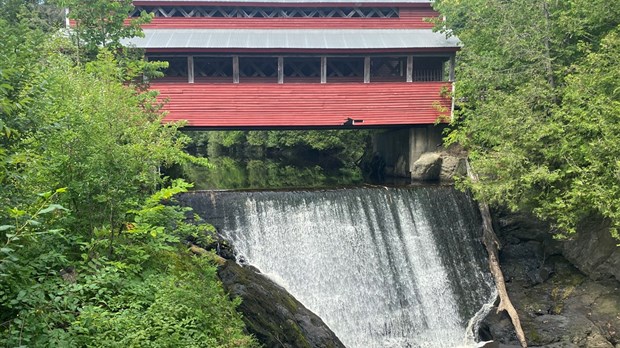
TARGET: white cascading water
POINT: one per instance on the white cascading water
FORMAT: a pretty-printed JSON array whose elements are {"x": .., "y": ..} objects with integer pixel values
[{"x": 383, "y": 267}]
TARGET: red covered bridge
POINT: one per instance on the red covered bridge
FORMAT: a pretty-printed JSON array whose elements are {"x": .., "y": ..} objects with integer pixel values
[{"x": 300, "y": 63}]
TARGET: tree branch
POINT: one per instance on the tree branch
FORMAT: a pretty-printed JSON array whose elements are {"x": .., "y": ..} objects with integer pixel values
[{"x": 491, "y": 243}]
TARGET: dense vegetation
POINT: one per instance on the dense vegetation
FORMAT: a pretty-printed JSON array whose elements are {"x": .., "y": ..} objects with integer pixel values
[
  {"x": 92, "y": 249},
  {"x": 538, "y": 96}
]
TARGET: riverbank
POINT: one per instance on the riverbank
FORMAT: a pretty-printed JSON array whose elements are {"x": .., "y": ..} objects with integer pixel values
[{"x": 561, "y": 303}]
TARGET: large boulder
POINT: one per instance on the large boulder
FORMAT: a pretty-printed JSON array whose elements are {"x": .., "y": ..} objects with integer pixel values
[
  {"x": 427, "y": 167},
  {"x": 594, "y": 251},
  {"x": 439, "y": 166},
  {"x": 452, "y": 166},
  {"x": 273, "y": 315}
]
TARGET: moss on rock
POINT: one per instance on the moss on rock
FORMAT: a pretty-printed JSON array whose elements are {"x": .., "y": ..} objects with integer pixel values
[{"x": 273, "y": 315}]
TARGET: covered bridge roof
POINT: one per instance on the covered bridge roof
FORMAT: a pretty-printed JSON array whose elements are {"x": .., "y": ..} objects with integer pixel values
[{"x": 302, "y": 39}]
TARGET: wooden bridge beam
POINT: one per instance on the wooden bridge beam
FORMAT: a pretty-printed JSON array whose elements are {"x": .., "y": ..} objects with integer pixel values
[
  {"x": 190, "y": 69},
  {"x": 280, "y": 69},
  {"x": 235, "y": 69},
  {"x": 409, "y": 68}
]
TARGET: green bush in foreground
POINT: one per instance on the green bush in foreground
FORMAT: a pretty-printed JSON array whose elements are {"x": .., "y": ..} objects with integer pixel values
[
  {"x": 89, "y": 253},
  {"x": 151, "y": 292}
]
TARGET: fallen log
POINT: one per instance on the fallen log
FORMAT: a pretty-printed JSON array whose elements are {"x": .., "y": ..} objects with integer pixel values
[{"x": 492, "y": 244}]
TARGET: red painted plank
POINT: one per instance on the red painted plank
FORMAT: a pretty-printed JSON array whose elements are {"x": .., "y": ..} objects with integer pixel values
[
  {"x": 413, "y": 22},
  {"x": 409, "y": 18},
  {"x": 281, "y": 4},
  {"x": 303, "y": 105}
]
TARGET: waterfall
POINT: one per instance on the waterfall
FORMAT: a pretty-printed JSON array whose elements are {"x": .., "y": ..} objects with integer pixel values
[{"x": 383, "y": 267}]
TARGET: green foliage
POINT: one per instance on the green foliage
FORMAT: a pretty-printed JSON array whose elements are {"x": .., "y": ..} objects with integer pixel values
[
  {"x": 98, "y": 258},
  {"x": 184, "y": 310},
  {"x": 102, "y": 23},
  {"x": 149, "y": 292},
  {"x": 536, "y": 97},
  {"x": 589, "y": 144},
  {"x": 98, "y": 140},
  {"x": 40, "y": 14}
]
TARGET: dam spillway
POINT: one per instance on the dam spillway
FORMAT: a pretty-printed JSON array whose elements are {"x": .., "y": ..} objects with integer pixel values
[{"x": 383, "y": 267}]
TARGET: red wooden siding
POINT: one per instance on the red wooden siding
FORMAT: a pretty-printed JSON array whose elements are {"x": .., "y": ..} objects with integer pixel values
[
  {"x": 409, "y": 19},
  {"x": 303, "y": 105},
  {"x": 283, "y": 4}
]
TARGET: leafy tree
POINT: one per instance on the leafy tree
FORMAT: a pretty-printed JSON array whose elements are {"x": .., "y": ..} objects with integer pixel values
[
  {"x": 19, "y": 63},
  {"x": 517, "y": 114},
  {"x": 102, "y": 140},
  {"x": 97, "y": 252},
  {"x": 589, "y": 141},
  {"x": 40, "y": 14},
  {"x": 103, "y": 23}
]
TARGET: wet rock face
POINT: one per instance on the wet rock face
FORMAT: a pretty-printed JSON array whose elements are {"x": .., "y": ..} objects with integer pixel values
[
  {"x": 558, "y": 305},
  {"x": 594, "y": 251},
  {"x": 273, "y": 315}
]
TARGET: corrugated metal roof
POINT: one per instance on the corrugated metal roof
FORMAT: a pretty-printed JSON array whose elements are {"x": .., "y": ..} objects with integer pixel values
[{"x": 293, "y": 39}]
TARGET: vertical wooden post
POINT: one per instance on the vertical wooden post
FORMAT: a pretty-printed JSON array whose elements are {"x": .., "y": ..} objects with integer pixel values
[
  {"x": 280, "y": 69},
  {"x": 235, "y": 69},
  {"x": 452, "y": 66},
  {"x": 366, "y": 69},
  {"x": 409, "y": 68},
  {"x": 190, "y": 69},
  {"x": 145, "y": 78},
  {"x": 323, "y": 69},
  {"x": 67, "y": 20}
]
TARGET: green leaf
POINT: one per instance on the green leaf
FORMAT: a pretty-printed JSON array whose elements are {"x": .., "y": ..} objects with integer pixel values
[
  {"x": 51, "y": 208},
  {"x": 45, "y": 195},
  {"x": 33, "y": 223},
  {"x": 6, "y": 227},
  {"x": 15, "y": 213}
]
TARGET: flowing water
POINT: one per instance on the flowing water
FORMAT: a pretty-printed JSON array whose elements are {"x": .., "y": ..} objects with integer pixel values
[{"x": 383, "y": 267}]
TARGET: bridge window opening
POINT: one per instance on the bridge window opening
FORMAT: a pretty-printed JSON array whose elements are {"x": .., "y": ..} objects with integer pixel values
[
  {"x": 220, "y": 69},
  {"x": 258, "y": 69},
  {"x": 388, "y": 69},
  {"x": 302, "y": 69},
  {"x": 213, "y": 69},
  {"x": 177, "y": 70},
  {"x": 431, "y": 69},
  {"x": 349, "y": 69},
  {"x": 266, "y": 12}
]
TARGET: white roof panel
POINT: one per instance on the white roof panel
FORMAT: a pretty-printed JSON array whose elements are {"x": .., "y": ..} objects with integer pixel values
[{"x": 293, "y": 39}]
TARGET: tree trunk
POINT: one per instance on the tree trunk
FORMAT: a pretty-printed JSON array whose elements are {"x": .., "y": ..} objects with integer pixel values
[
  {"x": 548, "y": 59},
  {"x": 491, "y": 243}
]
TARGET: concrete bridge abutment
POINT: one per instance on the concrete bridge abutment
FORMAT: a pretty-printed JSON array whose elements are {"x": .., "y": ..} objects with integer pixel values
[{"x": 400, "y": 148}]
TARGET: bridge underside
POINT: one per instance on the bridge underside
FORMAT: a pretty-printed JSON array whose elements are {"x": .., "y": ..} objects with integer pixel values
[{"x": 304, "y": 106}]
